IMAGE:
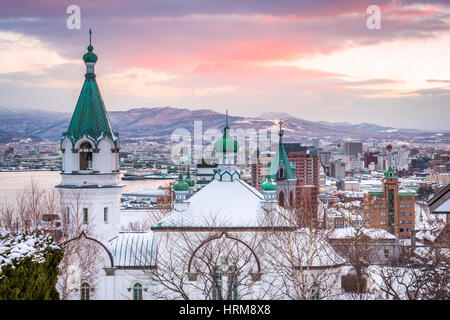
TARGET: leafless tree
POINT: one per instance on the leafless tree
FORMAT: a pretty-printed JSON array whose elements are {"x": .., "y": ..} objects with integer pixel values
[
  {"x": 360, "y": 247},
  {"x": 213, "y": 263},
  {"x": 82, "y": 261},
  {"x": 299, "y": 260}
]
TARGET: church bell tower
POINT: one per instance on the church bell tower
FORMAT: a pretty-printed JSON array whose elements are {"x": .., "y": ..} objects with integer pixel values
[{"x": 90, "y": 184}]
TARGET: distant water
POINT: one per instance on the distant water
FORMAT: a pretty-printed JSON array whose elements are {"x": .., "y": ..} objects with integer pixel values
[{"x": 12, "y": 182}]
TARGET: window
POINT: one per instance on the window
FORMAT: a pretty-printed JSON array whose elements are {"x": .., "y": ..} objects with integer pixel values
[
  {"x": 402, "y": 214},
  {"x": 105, "y": 214},
  {"x": 408, "y": 206},
  {"x": 375, "y": 206},
  {"x": 383, "y": 214},
  {"x": 84, "y": 291},
  {"x": 67, "y": 215},
  {"x": 315, "y": 292},
  {"x": 85, "y": 156},
  {"x": 85, "y": 216},
  {"x": 137, "y": 291},
  {"x": 408, "y": 221},
  {"x": 408, "y": 198},
  {"x": 386, "y": 253},
  {"x": 402, "y": 206},
  {"x": 401, "y": 229},
  {"x": 217, "y": 285},
  {"x": 382, "y": 206},
  {"x": 402, "y": 198},
  {"x": 402, "y": 221},
  {"x": 383, "y": 222},
  {"x": 408, "y": 230},
  {"x": 409, "y": 214},
  {"x": 232, "y": 284}
]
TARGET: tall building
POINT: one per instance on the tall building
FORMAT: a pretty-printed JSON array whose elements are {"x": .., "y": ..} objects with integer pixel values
[
  {"x": 259, "y": 169},
  {"x": 337, "y": 169},
  {"x": 392, "y": 209},
  {"x": 353, "y": 148},
  {"x": 316, "y": 143},
  {"x": 306, "y": 166}
]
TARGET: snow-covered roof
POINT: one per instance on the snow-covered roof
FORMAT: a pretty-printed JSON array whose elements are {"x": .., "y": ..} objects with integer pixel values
[
  {"x": 372, "y": 233},
  {"x": 443, "y": 208},
  {"x": 219, "y": 204},
  {"x": 134, "y": 249},
  {"x": 317, "y": 252}
]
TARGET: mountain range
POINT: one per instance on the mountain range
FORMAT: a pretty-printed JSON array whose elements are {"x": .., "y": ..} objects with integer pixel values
[{"x": 157, "y": 124}]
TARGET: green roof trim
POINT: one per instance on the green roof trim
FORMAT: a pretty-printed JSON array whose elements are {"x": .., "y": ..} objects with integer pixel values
[
  {"x": 375, "y": 192},
  {"x": 407, "y": 193},
  {"x": 267, "y": 184},
  {"x": 390, "y": 173}
]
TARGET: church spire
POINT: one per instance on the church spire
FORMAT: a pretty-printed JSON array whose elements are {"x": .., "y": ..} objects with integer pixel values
[{"x": 90, "y": 118}]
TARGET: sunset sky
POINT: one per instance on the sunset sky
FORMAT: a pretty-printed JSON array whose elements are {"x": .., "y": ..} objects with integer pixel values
[{"x": 316, "y": 60}]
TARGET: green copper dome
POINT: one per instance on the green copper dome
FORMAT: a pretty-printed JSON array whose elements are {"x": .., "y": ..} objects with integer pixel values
[
  {"x": 90, "y": 56},
  {"x": 188, "y": 180},
  {"x": 226, "y": 143},
  {"x": 180, "y": 185},
  {"x": 268, "y": 184}
]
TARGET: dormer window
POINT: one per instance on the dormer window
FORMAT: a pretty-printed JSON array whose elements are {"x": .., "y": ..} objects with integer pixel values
[{"x": 85, "y": 156}]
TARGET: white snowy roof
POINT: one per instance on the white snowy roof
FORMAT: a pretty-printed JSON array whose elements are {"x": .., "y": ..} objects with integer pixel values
[
  {"x": 219, "y": 204},
  {"x": 348, "y": 233},
  {"x": 134, "y": 249},
  {"x": 445, "y": 207}
]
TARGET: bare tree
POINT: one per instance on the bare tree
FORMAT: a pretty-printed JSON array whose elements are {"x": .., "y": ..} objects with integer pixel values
[
  {"x": 300, "y": 262},
  {"x": 82, "y": 261},
  {"x": 212, "y": 263}
]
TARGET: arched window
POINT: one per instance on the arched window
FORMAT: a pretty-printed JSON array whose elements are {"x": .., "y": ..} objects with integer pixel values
[
  {"x": 137, "y": 291},
  {"x": 85, "y": 156},
  {"x": 84, "y": 291},
  {"x": 281, "y": 199},
  {"x": 315, "y": 292},
  {"x": 281, "y": 174},
  {"x": 232, "y": 284},
  {"x": 217, "y": 285}
]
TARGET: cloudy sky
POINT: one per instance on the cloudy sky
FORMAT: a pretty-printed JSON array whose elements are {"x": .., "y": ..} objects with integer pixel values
[{"x": 316, "y": 60}]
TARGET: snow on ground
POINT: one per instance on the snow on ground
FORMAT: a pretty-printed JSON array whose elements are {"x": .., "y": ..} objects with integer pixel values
[{"x": 16, "y": 247}]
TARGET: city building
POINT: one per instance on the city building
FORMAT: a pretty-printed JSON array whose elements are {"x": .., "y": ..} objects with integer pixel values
[
  {"x": 352, "y": 148},
  {"x": 338, "y": 169},
  {"x": 392, "y": 209}
]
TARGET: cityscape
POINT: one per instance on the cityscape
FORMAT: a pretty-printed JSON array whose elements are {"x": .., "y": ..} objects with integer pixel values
[{"x": 147, "y": 194}]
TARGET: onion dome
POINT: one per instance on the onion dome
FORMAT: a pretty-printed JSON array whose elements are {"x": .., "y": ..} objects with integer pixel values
[
  {"x": 180, "y": 185},
  {"x": 267, "y": 184},
  {"x": 226, "y": 144},
  {"x": 90, "y": 56},
  {"x": 188, "y": 180}
]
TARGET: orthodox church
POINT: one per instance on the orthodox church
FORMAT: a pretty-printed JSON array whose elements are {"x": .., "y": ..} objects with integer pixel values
[{"x": 133, "y": 264}]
